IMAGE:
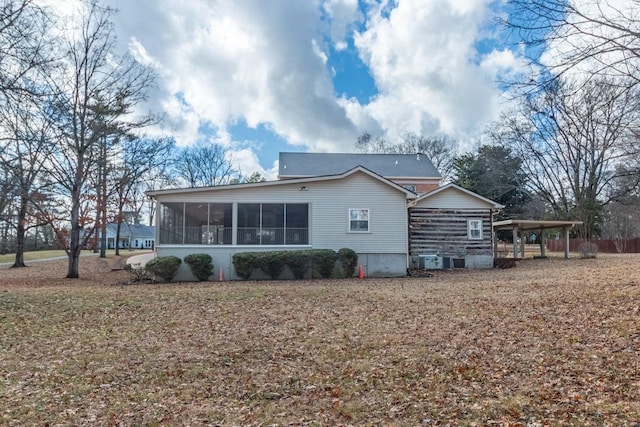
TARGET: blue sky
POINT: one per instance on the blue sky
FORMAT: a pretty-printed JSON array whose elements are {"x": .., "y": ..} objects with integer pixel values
[{"x": 264, "y": 76}]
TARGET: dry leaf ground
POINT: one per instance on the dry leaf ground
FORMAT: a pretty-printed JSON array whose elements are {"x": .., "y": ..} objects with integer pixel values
[{"x": 551, "y": 342}]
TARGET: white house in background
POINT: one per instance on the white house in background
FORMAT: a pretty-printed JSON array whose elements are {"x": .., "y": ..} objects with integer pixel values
[
  {"x": 379, "y": 218},
  {"x": 132, "y": 236}
]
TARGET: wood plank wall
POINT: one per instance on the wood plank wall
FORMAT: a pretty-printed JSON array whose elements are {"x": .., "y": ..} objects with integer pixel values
[{"x": 444, "y": 232}]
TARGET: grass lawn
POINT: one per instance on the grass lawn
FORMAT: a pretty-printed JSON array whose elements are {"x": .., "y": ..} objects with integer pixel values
[
  {"x": 38, "y": 255},
  {"x": 550, "y": 342},
  {"x": 33, "y": 255}
]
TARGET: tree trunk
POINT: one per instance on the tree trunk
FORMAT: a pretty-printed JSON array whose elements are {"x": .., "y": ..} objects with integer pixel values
[
  {"x": 103, "y": 198},
  {"x": 118, "y": 236},
  {"x": 74, "y": 264},
  {"x": 103, "y": 239},
  {"x": 21, "y": 232},
  {"x": 74, "y": 234}
]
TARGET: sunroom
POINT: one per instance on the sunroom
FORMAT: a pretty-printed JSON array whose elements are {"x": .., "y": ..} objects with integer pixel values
[{"x": 256, "y": 224}]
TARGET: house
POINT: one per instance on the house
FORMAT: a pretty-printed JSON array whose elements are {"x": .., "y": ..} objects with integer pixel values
[
  {"x": 388, "y": 225},
  {"x": 132, "y": 236},
  {"x": 326, "y": 212}
]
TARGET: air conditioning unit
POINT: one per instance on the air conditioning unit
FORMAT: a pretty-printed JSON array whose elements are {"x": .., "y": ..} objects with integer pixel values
[
  {"x": 430, "y": 262},
  {"x": 447, "y": 262}
]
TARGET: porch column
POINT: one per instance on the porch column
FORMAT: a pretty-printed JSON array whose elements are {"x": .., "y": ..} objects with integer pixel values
[
  {"x": 566, "y": 242},
  {"x": 234, "y": 223},
  {"x": 515, "y": 242}
]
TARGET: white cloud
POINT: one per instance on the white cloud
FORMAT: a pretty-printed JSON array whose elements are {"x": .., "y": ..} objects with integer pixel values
[
  {"x": 423, "y": 58},
  {"x": 249, "y": 164},
  {"x": 233, "y": 61},
  {"x": 343, "y": 14}
]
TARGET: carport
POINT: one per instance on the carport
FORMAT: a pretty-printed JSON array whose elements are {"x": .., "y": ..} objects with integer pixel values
[{"x": 518, "y": 226}]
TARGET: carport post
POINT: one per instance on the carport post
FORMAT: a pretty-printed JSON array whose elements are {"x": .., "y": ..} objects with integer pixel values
[
  {"x": 543, "y": 244},
  {"x": 522, "y": 244},
  {"x": 515, "y": 242},
  {"x": 566, "y": 242}
]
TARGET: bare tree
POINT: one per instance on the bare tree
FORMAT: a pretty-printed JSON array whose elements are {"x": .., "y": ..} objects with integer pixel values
[
  {"x": 27, "y": 139},
  {"x": 8, "y": 191},
  {"x": 599, "y": 38},
  {"x": 365, "y": 143},
  {"x": 25, "y": 56},
  {"x": 441, "y": 150},
  {"x": 140, "y": 157},
  {"x": 24, "y": 45},
  {"x": 572, "y": 139},
  {"x": 205, "y": 165},
  {"x": 96, "y": 91}
]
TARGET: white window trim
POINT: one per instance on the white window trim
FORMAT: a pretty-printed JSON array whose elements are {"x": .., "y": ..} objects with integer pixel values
[
  {"x": 349, "y": 211},
  {"x": 471, "y": 227}
]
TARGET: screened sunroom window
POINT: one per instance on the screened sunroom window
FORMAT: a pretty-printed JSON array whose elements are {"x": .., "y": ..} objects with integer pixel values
[
  {"x": 171, "y": 223},
  {"x": 212, "y": 223},
  {"x": 196, "y": 223},
  {"x": 273, "y": 224}
]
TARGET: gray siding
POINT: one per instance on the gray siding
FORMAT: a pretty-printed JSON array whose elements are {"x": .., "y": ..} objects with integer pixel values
[
  {"x": 453, "y": 198},
  {"x": 329, "y": 203}
]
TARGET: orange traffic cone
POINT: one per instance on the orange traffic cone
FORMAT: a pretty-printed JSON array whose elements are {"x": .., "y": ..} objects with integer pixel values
[
  {"x": 360, "y": 273},
  {"x": 221, "y": 276}
]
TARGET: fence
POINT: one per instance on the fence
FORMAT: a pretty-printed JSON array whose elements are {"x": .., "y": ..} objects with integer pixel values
[{"x": 629, "y": 246}]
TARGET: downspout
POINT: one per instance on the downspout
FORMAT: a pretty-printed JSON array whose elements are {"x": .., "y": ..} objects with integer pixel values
[{"x": 406, "y": 240}]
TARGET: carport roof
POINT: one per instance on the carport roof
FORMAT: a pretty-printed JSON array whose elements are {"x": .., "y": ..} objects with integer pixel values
[{"x": 532, "y": 224}]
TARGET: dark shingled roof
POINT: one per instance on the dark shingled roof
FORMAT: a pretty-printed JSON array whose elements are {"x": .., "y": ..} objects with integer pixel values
[
  {"x": 293, "y": 165},
  {"x": 131, "y": 230}
]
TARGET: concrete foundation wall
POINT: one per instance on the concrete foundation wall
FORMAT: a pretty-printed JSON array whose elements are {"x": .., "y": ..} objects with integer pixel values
[
  {"x": 373, "y": 265},
  {"x": 478, "y": 261}
]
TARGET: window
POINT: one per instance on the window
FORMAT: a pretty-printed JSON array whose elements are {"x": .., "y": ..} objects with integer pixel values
[
  {"x": 195, "y": 223},
  {"x": 212, "y": 223},
  {"x": 474, "y": 229},
  {"x": 273, "y": 224},
  {"x": 358, "y": 220},
  {"x": 171, "y": 222}
]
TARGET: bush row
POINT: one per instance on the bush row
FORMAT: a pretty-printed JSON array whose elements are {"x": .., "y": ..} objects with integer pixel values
[
  {"x": 164, "y": 268},
  {"x": 300, "y": 263}
]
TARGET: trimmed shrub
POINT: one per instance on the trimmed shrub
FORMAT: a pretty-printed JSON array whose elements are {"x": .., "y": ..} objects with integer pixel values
[
  {"x": 244, "y": 263},
  {"x": 349, "y": 260},
  {"x": 298, "y": 263},
  {"x": 164, "y": 267},
  {"x": 272, "y": 263},
  {"x": 201, "y": 266},
  {"x": 324, "y": 260}
]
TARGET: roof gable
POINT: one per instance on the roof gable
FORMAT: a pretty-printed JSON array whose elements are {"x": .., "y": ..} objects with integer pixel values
[
  {"x": 296, "y": 165},
  {"x": 454, "y": 196},
  {"x": 301, "y": 181}
]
